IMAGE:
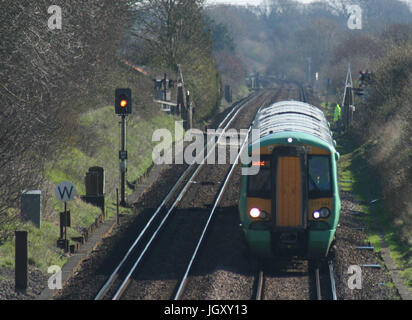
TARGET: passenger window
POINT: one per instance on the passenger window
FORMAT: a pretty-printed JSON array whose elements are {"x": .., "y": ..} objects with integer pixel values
[
  {"x": 319, "y": 177},
  {"x": 260, "y": 185}
]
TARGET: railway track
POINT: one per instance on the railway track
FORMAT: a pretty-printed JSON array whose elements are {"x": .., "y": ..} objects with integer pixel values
[
  {"x": 318, "y": 275},
  {"x": 120, "y": 278},
  {"x": 325, "y": 281}
]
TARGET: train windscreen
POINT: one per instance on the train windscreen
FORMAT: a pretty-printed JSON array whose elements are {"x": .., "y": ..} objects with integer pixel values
[
  {"x": 260, "y": 185},
  {"x": 319, "y": 177}
]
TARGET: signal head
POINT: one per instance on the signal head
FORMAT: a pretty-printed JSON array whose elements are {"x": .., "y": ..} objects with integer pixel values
[{"x": 123, "y": 101}]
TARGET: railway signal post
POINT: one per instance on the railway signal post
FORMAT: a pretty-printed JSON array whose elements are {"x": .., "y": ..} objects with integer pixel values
[
  {"x": 123, "y": 107},
  {"x": 347, "y": 104}
]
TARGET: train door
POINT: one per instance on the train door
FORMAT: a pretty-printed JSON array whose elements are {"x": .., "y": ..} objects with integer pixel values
[
  {"x": 288, "y": 192},
  {"x": 290, "y": 195}
]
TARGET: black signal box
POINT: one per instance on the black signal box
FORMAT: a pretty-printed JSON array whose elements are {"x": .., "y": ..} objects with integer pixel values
[{"x": 123, "y": 101}]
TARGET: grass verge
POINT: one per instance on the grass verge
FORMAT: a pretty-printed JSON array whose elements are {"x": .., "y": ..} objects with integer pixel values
[
  {"x": 357, "y": 176},
  {"x": 97, "y": 145}
]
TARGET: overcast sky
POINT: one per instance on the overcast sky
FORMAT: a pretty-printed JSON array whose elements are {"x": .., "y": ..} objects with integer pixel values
[
  {"x": 244, "y": 2},
  {"x": 257, "y": 2}
]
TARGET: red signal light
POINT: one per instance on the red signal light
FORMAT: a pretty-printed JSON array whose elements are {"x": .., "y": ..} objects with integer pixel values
[{"x": 123, "y": 103}]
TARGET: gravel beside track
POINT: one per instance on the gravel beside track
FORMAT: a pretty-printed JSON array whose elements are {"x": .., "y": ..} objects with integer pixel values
[
  {"x": 36, "y": 283},
  {"x": 376, "y": 283}
]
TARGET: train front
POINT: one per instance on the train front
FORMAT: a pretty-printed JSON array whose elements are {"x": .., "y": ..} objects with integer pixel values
[{"x": 291, "y": 206}]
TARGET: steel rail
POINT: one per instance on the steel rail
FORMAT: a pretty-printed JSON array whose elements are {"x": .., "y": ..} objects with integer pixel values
[
  {"x": 332, "y": 280},
  {"x": 102, "y": 292},
  {"x": 259, "y": 289},
  {"x": 317, "y": 281}
]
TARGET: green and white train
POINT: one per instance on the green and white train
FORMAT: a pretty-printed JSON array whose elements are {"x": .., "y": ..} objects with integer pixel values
[{"x": 292, "y": 205}]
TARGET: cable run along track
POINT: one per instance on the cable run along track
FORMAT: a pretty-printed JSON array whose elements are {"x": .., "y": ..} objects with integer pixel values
[{"x": 134, "y": 256}]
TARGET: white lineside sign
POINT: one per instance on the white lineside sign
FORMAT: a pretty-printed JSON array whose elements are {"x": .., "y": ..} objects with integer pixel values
[{"x": 65, "y": 191}]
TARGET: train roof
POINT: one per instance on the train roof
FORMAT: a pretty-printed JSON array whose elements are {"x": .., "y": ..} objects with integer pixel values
[{"x": 293, "y": 116}]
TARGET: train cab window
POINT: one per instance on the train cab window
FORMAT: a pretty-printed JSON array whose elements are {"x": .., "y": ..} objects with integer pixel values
[
  {"x": 260, "y": 185},
  {"x": 319, "y": 177}
]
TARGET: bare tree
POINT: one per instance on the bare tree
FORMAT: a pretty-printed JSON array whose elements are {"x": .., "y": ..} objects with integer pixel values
[{"x": 43, "y": 73}]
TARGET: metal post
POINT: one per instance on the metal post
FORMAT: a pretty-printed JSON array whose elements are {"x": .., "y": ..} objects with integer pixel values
[
  {"x": 21, "y": 260},
  {"x": 117, "y": 206},
  {"x": 309, "y": 71},
  {"x": 165, "y": 90},
  {"x": 65, "y": 221},
  {"x": 123, "y": 163},
  {"x": 61, "y": 226},
  {"x": 189, "y": 111},
  {"x": 327, "y": 91}
]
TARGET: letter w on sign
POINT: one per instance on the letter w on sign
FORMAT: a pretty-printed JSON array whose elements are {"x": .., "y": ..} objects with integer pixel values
[{"x": 65, "y": 191}]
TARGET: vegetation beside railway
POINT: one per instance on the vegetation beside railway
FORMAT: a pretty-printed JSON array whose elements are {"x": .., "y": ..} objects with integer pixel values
[
  {"x": 94, "y": 143},
  {"x": 49, "y": 79},
  {"x": 68, "y": 90},
  {"x": 71, "y": 98},
  {"x": 360, "y": 178},
  {"x": 378, "y": 148}
]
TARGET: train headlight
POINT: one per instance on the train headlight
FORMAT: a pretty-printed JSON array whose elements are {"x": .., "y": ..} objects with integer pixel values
[
  {"x": 321, "y": 213},
  {"x": 255, "y": 212},
  {"x": 324, "y": 212}
]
